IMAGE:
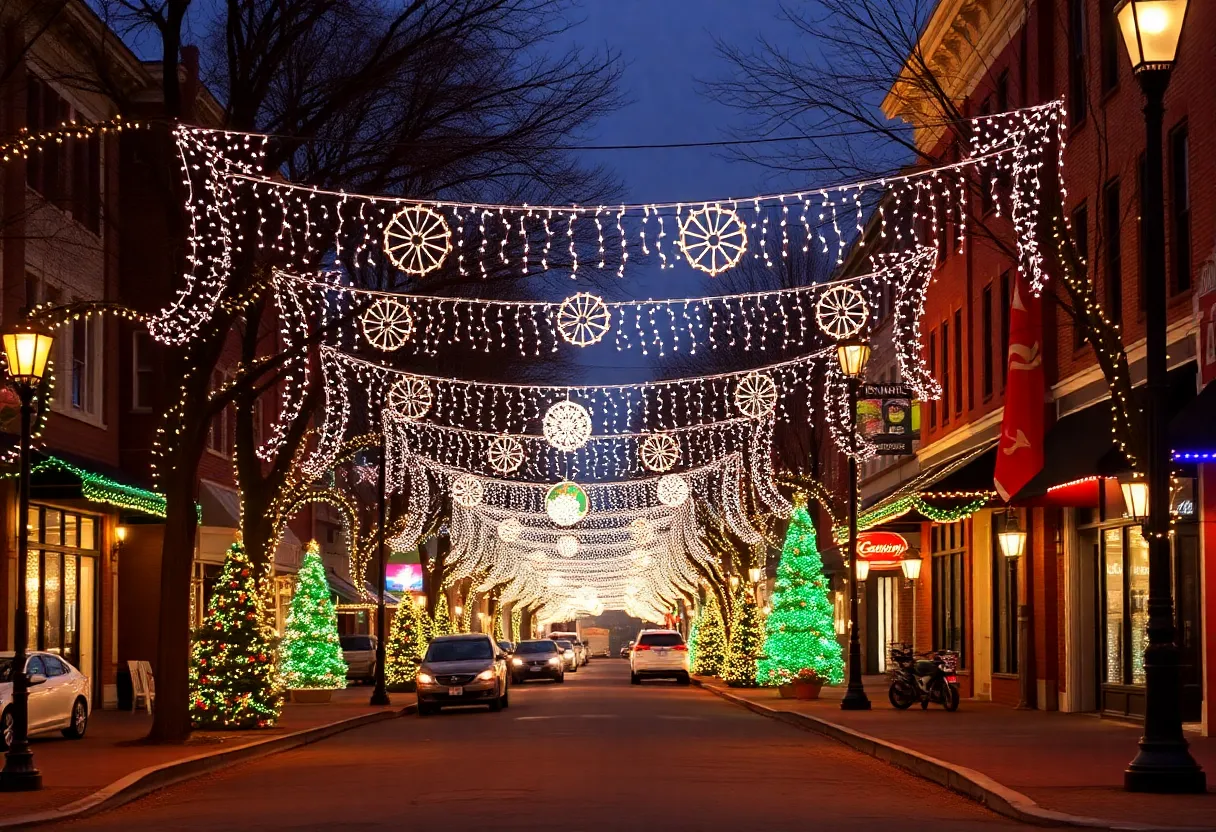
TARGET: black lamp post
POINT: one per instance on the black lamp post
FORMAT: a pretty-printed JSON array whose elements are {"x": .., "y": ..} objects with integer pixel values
[
  {"x": 853, "y": 354},
  {"x": 26, "y": 351},
  {"x": 380, "y": 694},
  {"x": 1152, "y": 29}
]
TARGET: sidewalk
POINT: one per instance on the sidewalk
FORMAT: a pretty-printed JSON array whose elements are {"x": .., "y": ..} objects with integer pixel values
[
  {"x": 1070, "y": 763},
  {"x": 114, "y": 748}
]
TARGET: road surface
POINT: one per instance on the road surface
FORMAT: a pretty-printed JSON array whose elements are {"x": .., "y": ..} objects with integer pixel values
[{"x": 593, "y": 754}]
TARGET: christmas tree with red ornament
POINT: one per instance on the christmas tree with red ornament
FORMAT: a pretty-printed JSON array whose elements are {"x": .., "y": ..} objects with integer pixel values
[{"x": 232, "y": 668}]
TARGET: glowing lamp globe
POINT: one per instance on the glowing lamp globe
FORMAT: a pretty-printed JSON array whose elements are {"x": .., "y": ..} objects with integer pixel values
[
  {"x": 1012, "y": 538},
  {"x": 910, "y": 565},
  {"x": 567, "y": 545},
  {"x": 853, "y": 355},
  {"x": 1135, "y": 497},
  {"x": 27, "y": 351},
  {"x": 566, "y": 503},
  {"x": 1151, "y": 29}
]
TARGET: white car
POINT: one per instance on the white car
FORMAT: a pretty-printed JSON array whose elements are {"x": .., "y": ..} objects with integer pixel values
[
  {"x": 659, "y": 654},
  {"x": 59, "y": 696}
]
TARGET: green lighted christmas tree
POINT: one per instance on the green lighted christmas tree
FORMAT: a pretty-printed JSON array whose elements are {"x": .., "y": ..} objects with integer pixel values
[
  {"x": 517, "y": 614},
  {"x": 442, "y": 625},
  {"x": 801, "y": 630},
  {"x": 232, "y": 672},
  {"x": 407, "y": 640},
  {"x": 711, "y": 640},
  {"x": 739, "y": 669},
  {"x": 311, "y": 655}
]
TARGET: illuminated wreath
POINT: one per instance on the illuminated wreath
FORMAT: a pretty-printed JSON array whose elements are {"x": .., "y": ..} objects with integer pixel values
[
  {"x": 756, "y": 395},
  {"x": 387, "y": 324},
  {"x": 659, "y": 452},
  {"x": 567, "y": 426},
  {"x": 417, "y": 240},
  {"x": 583, "y": 319},
  {"x": 411, "y": 397},
  {"x": 567, "y": 545},
  {"x": 505, "y": 454},
  {"x": 713, "y": 239},
  {"x": 509, "y": 530},
  {"x": 842, "y": 312},
  {"x": 673, "y": 490},
  {"x": 468, "y": 491},
  {"x": 566, "y": 503}
]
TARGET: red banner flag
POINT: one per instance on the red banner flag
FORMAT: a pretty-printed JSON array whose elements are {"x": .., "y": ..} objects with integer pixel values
[{"x": 1019, "y": 455}]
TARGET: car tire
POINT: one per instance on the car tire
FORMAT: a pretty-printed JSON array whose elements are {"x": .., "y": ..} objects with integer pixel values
[
  {"x": 635, "y": 679},
  {"x": 574, "y": 669},
  {"x": 560, "y": 679},
  {"x": 506, "y": 698},
  {"x": 496, "y": 704},
  {"x": 79, "y": 720},
  {"x": 6, "y": 729}
]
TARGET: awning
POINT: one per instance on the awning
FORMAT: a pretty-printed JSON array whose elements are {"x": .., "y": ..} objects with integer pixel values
[
  {"x": 221, "y": 505},
  {"x": 52, "y": 476},
  {"x": 1193, "y": 431},
  {"x": 220, "y": 508},
  {"x": 1077, "y": 454}
]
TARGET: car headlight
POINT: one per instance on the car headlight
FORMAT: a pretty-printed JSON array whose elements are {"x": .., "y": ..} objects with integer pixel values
[
  {"x": 517, "y": 662},
  {"x": 485, "y": 676},
  {"x": 569, "y": 654},
  {"x": 425, "y": 679},
  {"x": 555, "y": 661}
]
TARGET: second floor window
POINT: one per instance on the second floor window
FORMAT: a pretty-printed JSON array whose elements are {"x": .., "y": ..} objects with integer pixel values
[
  {"x": 986, "y": 360},
  {"x": 1110, "y": 45},
  {"x": 945, "y": 372},
  {"x": 67, "y": 174},
  {"x": 1180, "y": 208},
  {"x": 220, "y": 434},
  {"x": 932, "y": 369},
  {"x": 142, "y": 371},
  {"x": 1077, "y": 82},
  {"x": 1006, "y": 309},
  {"x": 958, "y": 361},
  {"x": 1080, "y": 236},
  {"x": 1114, "y": 251}
]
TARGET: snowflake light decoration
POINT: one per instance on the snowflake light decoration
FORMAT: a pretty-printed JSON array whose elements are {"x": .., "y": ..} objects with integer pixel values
[
  {"x": 567, "y": 545},
  {"x": 387, "y": 324},
  {"x": 583, "y": 319},
  {"x": 417, "y": 239},
  {"x": 659, "y": 452},
  {"x": 713, "y": 239},
  {"x": 468, "y": 491},
  {"x": 509, "y": 530},
  {"x": 411, "y": 397},
  {"x": 673, "y": 490},
  {"x": 567, "y": 426},
  {"x": 841, "y": 312},
  {"x": 566, "y": 503},
  {"x": 505, "y": 454},
  {"x": 756, "y": 395}
]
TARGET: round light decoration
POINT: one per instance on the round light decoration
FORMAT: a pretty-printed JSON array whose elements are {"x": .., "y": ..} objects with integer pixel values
[
  {"x": 641, "y": 530},
  {"x": 505, "y": 454},
  {"x": 567, "y": 426},
  {"x": 659, "y": 452},
  {"x": 673, "y": 490},
  {"x": 756, "y": 395},
  {"x": 387, "y": 324},
  {"x": 842, "y": 312},
  {"x": 583, "y": 319},
  {"x": 411, "y": 398},
  {"x": 417, "y": 240},
  {"x": 509, "y": 530},
  {"x": 566, "y": 503},
  {"x": 567, "y": 545},
  {"x": 468, "y": 491},
  {"x": 713, "y": 239}
]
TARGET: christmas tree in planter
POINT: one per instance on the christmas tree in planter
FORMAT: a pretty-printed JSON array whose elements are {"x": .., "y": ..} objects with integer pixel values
[
  {"x": 711, "y": 640},
  {"x": 442, "y": 625},
  {"x": 800, "y": 633},
  {"x": 311, "y": 654},
  {"x": 739, "y": 668},
  {"x": 407, "y": 641},
  {"x": 232, "y": 672}
]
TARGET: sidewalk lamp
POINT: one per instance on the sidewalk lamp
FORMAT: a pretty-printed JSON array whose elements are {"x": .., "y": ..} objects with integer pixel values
[
  {"x": 863, "y": 570},
  {"x": 1135, "y": 497},
  {"x": 754, "y": 573},
  {"x": 853, "y": 355},
  {"x": 27, "y": 351},
  {"x": 1012, "y": 537},
  {"x": 910, "y": 566},
  {"x": 734, "y": 582},
  {"x": 1152, "y": 30}
]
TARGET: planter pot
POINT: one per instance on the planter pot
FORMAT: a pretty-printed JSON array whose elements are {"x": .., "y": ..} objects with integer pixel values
[
  {"x": 311, "y": 696},
  {"x": 786, "y": 691},
  {"x": 807, "y": 690}
]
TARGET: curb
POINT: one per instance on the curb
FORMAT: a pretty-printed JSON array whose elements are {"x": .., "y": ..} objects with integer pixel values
[
  {"x": 965, "y": 781},
  {"x": 139, "y": 783}
]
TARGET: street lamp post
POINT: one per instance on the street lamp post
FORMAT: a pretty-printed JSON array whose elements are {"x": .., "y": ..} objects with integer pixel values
[
  {"x": 26, "y": 351},
  {"x": 1152, "y": 30},
  {"x": 853, "y": 354},
  {"x": 380, "y": 694}
]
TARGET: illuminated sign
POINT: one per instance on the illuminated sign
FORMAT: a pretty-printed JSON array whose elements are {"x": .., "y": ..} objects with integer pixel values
[{"x": 882, "y": 549}]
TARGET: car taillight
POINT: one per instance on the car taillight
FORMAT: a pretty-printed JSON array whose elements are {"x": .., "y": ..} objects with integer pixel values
[
  {"x": 683, "y": 648},
  {"x": 641, "y": 647}
]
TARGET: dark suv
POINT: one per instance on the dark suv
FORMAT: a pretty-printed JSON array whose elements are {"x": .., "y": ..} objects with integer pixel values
[{"x": 538, "y": 659}]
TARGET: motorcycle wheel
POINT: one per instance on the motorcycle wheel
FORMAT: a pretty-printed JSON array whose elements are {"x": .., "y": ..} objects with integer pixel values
[
  {"x": 950, "y": 697},
  {"x": 901, "y": 696}
]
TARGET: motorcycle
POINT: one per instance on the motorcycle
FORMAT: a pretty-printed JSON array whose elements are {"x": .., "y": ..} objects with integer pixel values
[{"x": 931, "y": 677}]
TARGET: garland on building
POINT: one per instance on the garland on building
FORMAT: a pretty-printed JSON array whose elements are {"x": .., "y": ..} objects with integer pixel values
[
  {"x": 739, "y": 668},
  {"x": 800, "y": 632},
  {"x": 311, "y": 653},
  {"x": 710, "y": 650},
  {"x": 232, "y": 669},
  {"x": 407, "y": 641}
]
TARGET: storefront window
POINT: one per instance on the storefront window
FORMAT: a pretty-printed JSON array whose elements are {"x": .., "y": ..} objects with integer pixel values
[
  {"x": 1113, "y": 548},
  {"x": 60, "y": 584},
  {"x": 949, "y": 542},
  {"x": 1137, "y": 593}
]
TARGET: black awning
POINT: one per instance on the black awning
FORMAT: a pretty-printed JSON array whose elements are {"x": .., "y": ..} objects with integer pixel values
[
  {"x": 1077, "y": 446},
  {"x": 1193, "y": 431}
]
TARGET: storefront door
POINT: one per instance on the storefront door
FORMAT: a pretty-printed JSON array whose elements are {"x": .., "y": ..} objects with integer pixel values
[{"x": 61, "y": 587}]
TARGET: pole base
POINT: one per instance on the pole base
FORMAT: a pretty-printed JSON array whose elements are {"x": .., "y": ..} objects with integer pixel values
[
  {"x": 1165, "y": 771},
  {"x": 19, "y": 774},
  {"x": 855, "y": 701},
  {"x": 380, "y": 697}
]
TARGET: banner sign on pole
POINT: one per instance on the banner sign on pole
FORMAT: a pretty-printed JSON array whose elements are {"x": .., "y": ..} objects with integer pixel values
[{"x": 888, "y": 417}]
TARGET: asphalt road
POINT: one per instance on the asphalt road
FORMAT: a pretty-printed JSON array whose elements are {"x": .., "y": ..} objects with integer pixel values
[{"x": 593, "y": 754}]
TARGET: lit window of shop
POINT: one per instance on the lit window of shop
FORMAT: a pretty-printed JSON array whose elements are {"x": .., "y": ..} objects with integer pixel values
[
  {"x": 949, "y": 587},
  {"x": 61, "y": 583},
  {"x": 1004, "y": 608}
]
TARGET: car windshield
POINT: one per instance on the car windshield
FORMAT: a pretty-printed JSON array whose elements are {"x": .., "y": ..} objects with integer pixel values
[
  {"x": 536, "y": 647},
  {"x": 357, "y": 643},
  {"x": 661, "y": 639},
  {"x": 6, "y": 670},
  {"x": 565, "y": 645},
  {"x": 459, "y": 650}
]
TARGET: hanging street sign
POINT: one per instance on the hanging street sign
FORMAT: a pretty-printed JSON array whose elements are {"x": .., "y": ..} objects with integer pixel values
[{"x": 888, "y": 416}]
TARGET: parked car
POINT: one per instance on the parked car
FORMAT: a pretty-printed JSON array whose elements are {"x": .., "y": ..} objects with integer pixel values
[
  {"x": 360, "y": 654},
  {"x": 465, "y": 669},
  {"x": 569, "y": 656},
  {"x": 537, "y": 659},
  {"x": 506, "y": 647},
  {"x": 626, "y": 650},
  {"x": 580, "y": 649},
  {"x": 59, "y": 697},
  {"x": 659, "y": 654}
]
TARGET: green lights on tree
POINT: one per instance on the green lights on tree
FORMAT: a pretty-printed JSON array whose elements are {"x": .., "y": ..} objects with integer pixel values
[
  {"x": 311, "y": 654},
  {"x": 709, "y": 651},
  {"x": 739, "y": 669},
  {"x": 232, "y": 668},
  {"x": 407, "y": 641},
  {"x": 800, "y": 632}
]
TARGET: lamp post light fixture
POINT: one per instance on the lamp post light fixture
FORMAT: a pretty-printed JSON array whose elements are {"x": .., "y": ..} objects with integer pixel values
[
  {"x": 853, "y": 355},
  {"x": 1012, "y": 537},
  {"x": 910, "y": 565},
  {"x": 380, "y": 691},
  {"x": 27, "y": 351},
  {"x": 734, "y": 582},
  {"x": 1135, "y": 497},
  {"x": 755, "y": 573},
  {"x": 1152, "y": 30}
]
